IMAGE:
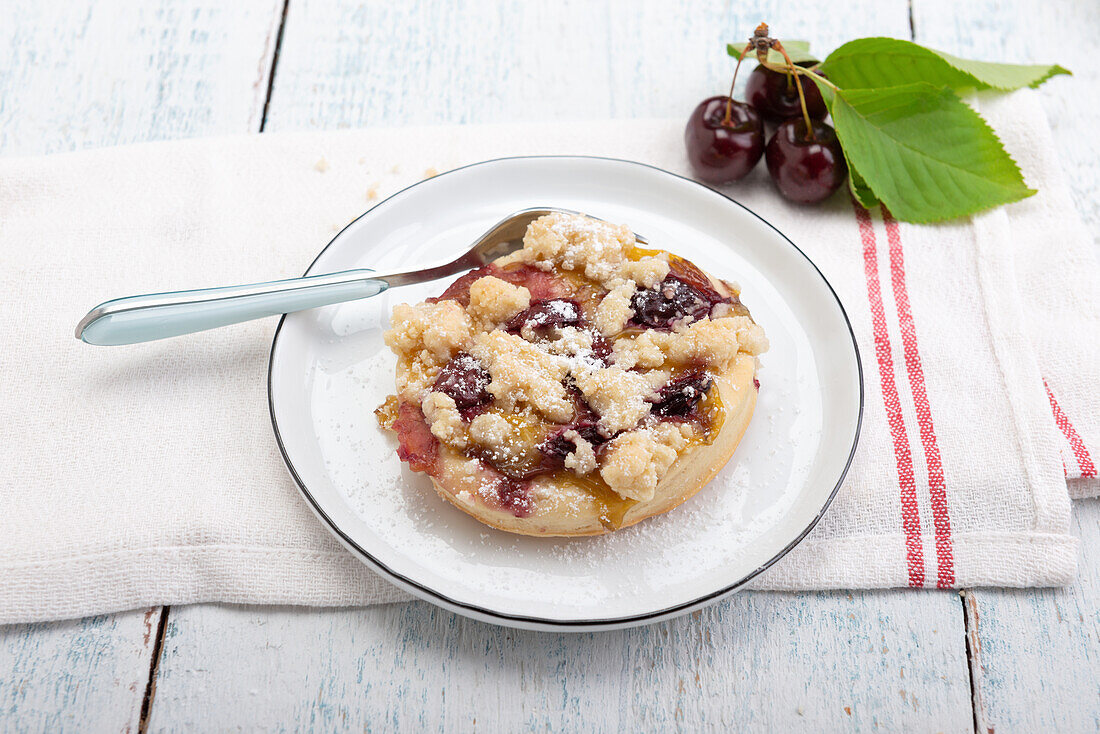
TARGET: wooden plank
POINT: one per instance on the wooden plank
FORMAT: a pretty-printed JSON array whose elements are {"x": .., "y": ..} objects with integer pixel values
[
  {"x": 352, "y": 63},
  {"x": 1035, "y": 658},
  {"x": 758, "y": 662},
  {"x": 81, "y": 74},
  {"x": 87, "y": 73},
  {"x": 84, "y": 675}
]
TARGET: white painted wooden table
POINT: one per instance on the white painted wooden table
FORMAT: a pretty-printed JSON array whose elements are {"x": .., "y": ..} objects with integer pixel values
[{"x": 83, "y": 73}]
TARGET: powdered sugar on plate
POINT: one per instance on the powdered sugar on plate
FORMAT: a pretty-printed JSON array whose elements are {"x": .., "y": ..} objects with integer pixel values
[{"x": 402, "y": 510}]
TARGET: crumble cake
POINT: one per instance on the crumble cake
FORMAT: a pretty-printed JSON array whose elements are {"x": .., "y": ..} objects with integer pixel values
[{"x": 579, "y": 385}]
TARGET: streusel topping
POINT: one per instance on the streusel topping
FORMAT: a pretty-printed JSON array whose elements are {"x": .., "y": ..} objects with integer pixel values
[{"x": 579, "y": 353}]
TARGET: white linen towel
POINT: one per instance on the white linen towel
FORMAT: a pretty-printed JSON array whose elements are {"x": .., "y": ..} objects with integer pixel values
[{"x": 149, "y": 474}]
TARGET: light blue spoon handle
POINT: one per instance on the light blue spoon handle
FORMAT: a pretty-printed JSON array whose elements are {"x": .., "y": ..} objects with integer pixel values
[{"x": 161, "y": 315}]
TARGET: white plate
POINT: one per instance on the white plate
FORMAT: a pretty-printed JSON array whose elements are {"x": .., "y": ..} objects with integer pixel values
[{"x": 330, "y": 370}]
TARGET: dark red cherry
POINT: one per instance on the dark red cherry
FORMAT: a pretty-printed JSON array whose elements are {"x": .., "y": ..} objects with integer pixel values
[
  {"x": 556, "y": 446},
  {"x": 805, "y": 169},
  {"x": 546, "y": 314},
  {"x": 775, "y": 96},
  {"x": 680, "y": 396},
  {"x": 669, "y": 301},
  {"x": 719, "y": 152},
  {"x": 465, "y": 381}
]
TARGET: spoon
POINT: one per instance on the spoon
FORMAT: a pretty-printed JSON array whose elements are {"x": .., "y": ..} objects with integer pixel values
[{"x": 161, "y": 315}]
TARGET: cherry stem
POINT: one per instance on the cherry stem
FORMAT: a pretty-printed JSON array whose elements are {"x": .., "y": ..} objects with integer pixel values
[
  {"x": 810, "y": 134},
  {"x": 728, "y": 119}
]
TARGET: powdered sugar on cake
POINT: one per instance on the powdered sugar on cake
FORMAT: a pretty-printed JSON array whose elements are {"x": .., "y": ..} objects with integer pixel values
[{"x": 526, "y": 387}]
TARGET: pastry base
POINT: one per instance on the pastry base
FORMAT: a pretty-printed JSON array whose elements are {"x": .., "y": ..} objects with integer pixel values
[{"x": 565, "y": 509}]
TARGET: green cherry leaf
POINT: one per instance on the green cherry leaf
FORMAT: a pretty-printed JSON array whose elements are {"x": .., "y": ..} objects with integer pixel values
[
  {"x": 859, "y": 188},
  {"x": 856, "y": 184},
  {"x": 890, "y": 62},
  {"x": 1005, "y": 77},
  {"x": 923, "y": 152},
  {"x": 799, "y": 51},
  {"x": 735, "y": 51}
]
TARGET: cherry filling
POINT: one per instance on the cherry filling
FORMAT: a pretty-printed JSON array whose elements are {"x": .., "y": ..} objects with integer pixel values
[
  {"x": 415, "y": 443},
  {"x": 541, "y": 284},
  {"x": 601, "y": 347},
  {"x": 541, "y": 316},
  {"x": 514, "y": 495},
  {"x": 687, "y": 272},
  {"x": 553, "y": 312},
  {"x": 686, "y": 292},
  {"x": 459, "y": 290},
  {"x": 420, "y": 450},
  {"x": 671, "y": 300},
  {"x": 556, "y": 447},
  {"x": 679, "y": 398},
  {"x": 465, "y": 381}
]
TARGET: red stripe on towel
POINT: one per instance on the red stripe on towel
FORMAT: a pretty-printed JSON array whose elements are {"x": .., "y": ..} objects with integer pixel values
[
  {"x": 937, "y": 487},
  {"x": 1084, "y": 460},
  {"x": 910, "y": 514}
]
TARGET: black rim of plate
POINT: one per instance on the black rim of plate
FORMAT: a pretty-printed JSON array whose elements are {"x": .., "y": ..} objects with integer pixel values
[{"x": 445, "y": 601}]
